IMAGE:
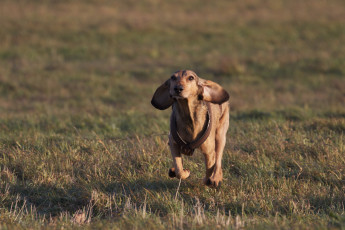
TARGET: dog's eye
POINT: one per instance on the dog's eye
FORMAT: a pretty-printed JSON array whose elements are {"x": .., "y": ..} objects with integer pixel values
[
  {"x": 191, "y": 78},
  {"x": 173, "y": 78}
]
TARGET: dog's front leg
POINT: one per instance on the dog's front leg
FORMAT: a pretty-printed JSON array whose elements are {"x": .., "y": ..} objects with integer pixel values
[{"x": 177, "y": 170}]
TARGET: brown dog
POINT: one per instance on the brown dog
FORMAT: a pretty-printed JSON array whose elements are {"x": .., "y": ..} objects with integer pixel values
[{"x": 199, "y": 119}]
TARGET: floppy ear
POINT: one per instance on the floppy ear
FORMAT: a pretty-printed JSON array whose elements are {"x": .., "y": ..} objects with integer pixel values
[
  {"x": 212, "y": 92},
  {"x": 161, "y": 98}
]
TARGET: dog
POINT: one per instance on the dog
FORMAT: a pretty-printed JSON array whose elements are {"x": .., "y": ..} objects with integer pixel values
[{"x": 199, "y": 120}]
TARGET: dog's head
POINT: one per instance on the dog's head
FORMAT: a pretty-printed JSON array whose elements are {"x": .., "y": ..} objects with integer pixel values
[{"x": 185, "y": 84}]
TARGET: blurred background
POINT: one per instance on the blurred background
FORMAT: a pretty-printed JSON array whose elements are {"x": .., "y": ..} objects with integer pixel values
[{"x": 99, "y": 62}]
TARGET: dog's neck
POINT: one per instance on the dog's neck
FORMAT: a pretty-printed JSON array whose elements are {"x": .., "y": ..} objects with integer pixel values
[{"x": 190, "y": 117}]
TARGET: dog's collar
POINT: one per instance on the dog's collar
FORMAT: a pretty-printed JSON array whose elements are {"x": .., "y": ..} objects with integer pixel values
[{"x": 189, "y": 147}]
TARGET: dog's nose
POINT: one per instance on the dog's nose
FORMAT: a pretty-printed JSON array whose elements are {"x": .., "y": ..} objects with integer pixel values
[{"x": 178, "y": 88}]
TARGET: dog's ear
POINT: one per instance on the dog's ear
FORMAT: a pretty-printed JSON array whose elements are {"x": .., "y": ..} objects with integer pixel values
[
  {"x": 161, "y": 98},
  {"x": 212, "y": 92}
]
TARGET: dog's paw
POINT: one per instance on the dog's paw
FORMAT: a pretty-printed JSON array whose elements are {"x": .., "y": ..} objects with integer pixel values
[
  {"x": 213, "y": 183},
  {"x": 181, "y": 175},
  {"x": 172, "y": 173}
]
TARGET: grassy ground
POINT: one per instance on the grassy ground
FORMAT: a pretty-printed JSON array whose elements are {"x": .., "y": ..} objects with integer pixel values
[{"x": 81, "y": 146}]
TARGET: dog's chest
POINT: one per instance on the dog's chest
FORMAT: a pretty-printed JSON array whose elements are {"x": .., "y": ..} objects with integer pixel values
[{"x": 189, "y": 129}]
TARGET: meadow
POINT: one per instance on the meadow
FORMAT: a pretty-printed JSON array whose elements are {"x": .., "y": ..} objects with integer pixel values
[{"x": 82, "y": 147}]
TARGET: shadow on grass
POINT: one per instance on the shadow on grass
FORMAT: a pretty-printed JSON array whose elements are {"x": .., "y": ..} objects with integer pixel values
[
  {"x": 51, "y": 200},
  {"x": 157, "y": 193},
  {"x": 48, "y": 200},
  {"x": 142, "y": 185},
  {"x": 162, "y": 192}
]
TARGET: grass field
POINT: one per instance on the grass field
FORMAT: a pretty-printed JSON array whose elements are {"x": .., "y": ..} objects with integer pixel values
[{"x": 81, "y": 145}]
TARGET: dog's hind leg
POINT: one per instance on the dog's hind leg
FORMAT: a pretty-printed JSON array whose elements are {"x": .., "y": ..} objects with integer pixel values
[
  {"x": 209, "y": 163},
  {"x": 220, "y": 140}
]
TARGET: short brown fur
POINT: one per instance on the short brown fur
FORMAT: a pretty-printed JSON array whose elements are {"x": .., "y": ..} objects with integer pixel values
[{"x": 186, "y": 93}]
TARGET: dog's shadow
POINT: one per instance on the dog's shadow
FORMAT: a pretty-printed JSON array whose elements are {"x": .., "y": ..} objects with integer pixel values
[{"x": 143, "y": 186}]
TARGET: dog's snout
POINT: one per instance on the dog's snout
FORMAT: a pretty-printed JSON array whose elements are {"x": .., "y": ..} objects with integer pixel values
[{"x": 178, "y": 88}]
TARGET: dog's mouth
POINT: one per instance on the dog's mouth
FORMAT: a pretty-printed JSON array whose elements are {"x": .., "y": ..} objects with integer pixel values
[{"x": 177, "y": 96}]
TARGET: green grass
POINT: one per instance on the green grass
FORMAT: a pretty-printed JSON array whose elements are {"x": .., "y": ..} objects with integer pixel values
[{"x": 82, "y": 147}]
